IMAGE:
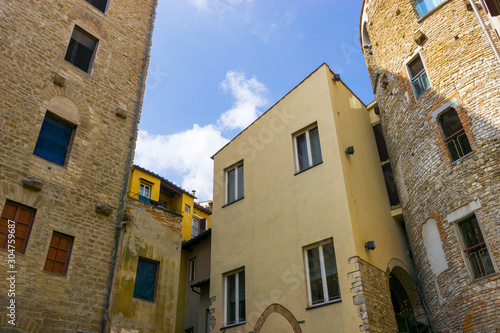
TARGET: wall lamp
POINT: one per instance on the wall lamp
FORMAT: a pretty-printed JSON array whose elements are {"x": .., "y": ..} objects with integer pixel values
[
  {"x": 336, "y": 77},
  {"x": 349, "y": 150},
  {"x": 370, "y": 245}
]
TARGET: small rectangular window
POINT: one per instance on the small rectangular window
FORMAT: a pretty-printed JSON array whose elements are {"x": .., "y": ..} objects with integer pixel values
[
  {"x": 419, "y": 79},
  {"x": 474, "y": 247},
  {"x": 234, "y": 301},
  {"x": 192, "y": 270},
  {"x": 234, "y": 184},
  {"x": 307, "y": 149},
  {"x": 54, "y": 139},
  {"x": 144, "y": 192},
  {"x": 195, "y": 227},
  {"x": 99, "y": 4},
  {"x": 455, "y": 137},
  {"x": 493, "y": 7},
  {"x": 81, "y": 49},
  {"x": 59, "y": 253},
  {"x": 187, "y": 208},
  {"x": 18, "y": 218},
  {"x": 321, "y": 273},
  {"x": 425, "y": 6},
  {"x": 146, "y": 279}
]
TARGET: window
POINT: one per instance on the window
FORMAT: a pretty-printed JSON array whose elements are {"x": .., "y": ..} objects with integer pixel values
[
  {"x": 307, "y": 149},
  {"x": 81, "y": 49},
  {"x": 234, "y": 300},
  {"x": 21, "y": 217},
  {"x": 390, "y": 182},
  {"x": 321, "y": 272},
  {"x": 99, "y": 4},
  {"x": 187, "y": 209},
  {"x": 454, "y": 135},
  {"x": 474, "y": 247},
  {"x": 198, "y": 227},
  {"x": 144, "y": 192},
  {"x": 425, "y": 6},
  {"x": 234, "y": 184},
  {"x": 54, "y": 139},
  {"x": 145, "y": 279},
  {"x": 192, "y": 270},
  {"x": 59, "y": 253},
  {"x": 493, "y": 7},
  {"x": 418, "y": 76}
]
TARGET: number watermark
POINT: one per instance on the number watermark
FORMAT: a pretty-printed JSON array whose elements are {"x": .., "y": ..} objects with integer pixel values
[{"x": 11, "y": 272}]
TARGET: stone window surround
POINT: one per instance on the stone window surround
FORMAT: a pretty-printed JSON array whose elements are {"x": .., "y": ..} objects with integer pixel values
[
  {"x": 459, "y": 215},
  {"x": 416, "y": 53}
]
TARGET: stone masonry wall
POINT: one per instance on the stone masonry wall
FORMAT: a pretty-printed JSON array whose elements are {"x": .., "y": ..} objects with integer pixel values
[
  {"x": 462, "y": 70},
  {"x": 34, "y": 36}
]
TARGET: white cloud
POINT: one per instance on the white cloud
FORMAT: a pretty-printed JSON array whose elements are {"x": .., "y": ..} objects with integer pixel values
[
  {"x": 188, "y": 153},
  {"x": 201, "y": 5},
  {"x": 248, "y": 94}
]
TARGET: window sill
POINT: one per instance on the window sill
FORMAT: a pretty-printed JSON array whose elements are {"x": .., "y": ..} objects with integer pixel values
[
  {"x": 421, "y": 19},
  {"x": 323, "y": 304},
  {"x": 233, "y": 325},
  {"x": 232, "y": 202},
  {"x": 312, "y": 166},
  {"x": 463, "y": 158}
]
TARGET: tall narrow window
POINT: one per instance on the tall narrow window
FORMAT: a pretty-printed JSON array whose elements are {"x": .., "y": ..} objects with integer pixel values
[
  {"x": 54, "y": 139},
  {"x": 99, "y": 4},
  {"x": 322, "y": 275},
  {"x": 419, "y": 79},
  {"x": 390, "y": 182},
  {"x": 18, "y": 218},
  {"x": 145, "y": 192},
  {"x": 234, "y": 184},
  {"x": 59, "y": 253},
  {"x": 425, "y": 6},
  {"x": 454, "y": 135},
  {"x": 195, "y": 227},
  {"x": 81, "y": 49},
  {"x": 192, "y": 270},
  {"x": 234, "y": 301},
  {"x": 307, "y": 149},
  {"x": 146, "y": 279},
  {"x": 474, "y": 247}
]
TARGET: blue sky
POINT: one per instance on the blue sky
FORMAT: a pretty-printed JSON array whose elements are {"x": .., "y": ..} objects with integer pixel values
[{"x": 216, "y": 65}]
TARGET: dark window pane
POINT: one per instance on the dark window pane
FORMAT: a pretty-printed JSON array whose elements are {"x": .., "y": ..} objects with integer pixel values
[
  {"x": 390, "y": 184},
  {"x": 53, "y": 140},
  {"x": 315, "y": 146},
  {"x": 471, "y": 233},
  {"x": 99, "y": 4},
  {"x": 416, "y": 66},
  {"x": 455, "y": 137},
  {"x": 231, "y": 299},
  {"x": 316, "y": 284},
  {"x": 145, "y": 280},
  {"x": 81, "y": 49},
  {"x": 450, "y": 123},
  {"x": 493, "y": 7},
  {"x": 231, "y": 185},
  {"x": 240, "y": 182},
  {"x": 379, "y": 138},
  {"x": 331, "y": 271},
  {"x": 241, "y": 295},
  {"x": 302, "y": 152}
]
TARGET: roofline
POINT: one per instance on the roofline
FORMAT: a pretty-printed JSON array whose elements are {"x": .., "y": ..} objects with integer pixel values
[
  {"x": 203, "y": 209},
  {"x": 360, "y": 24},
  {"x": 163, "y": 180},
  {"x": 197, "y": 239},
  {"x": 323, "y": 64}
]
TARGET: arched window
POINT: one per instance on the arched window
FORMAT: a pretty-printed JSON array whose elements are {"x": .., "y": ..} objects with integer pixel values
[
  {"x": 454, "y": 135},
  {"x": 366, "y": 37}
]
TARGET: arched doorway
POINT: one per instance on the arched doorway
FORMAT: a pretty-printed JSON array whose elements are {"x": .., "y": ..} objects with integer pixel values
[{"x": 280, "y": 310}]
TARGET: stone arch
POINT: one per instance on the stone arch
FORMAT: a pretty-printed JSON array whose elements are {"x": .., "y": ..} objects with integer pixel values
[
  {"x": 91, "y": 23},
  {"x": 22, "y": 195},
  {"x": 281, "y": 310},
  {"x": 23, "y": 325},
  {"x": 365, "y": 37}
]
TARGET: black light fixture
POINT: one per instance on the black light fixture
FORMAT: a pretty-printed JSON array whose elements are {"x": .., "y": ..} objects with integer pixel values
[
  {"x": 370, "y": 245},
  {"x": 349, "y": 150},
  {"x": 336, "y": 77}
]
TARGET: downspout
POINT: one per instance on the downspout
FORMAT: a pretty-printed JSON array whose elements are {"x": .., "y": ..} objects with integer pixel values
[
  {"x": 129, "y": 164},
  {"x": 483, "y": 26}
]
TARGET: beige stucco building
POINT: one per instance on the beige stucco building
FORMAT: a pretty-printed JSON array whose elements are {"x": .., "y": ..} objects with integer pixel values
[{"x": 303, "y": 235}]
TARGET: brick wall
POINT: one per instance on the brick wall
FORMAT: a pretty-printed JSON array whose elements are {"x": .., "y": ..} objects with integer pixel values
[{"x": 461, "y": 67}]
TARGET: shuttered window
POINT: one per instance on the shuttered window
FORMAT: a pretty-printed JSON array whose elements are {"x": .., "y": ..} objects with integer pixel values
[
  {"x": 54, "y": 139},
  {"x": 145, "y": 279},
  {"x": 59, "y": 254},
  {"x": 21, "y": 218}
]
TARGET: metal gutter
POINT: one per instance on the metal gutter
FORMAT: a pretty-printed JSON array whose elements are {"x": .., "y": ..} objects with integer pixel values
[
  {"x": 483, "y": 26},
  {"x": 129, "y": 165}
]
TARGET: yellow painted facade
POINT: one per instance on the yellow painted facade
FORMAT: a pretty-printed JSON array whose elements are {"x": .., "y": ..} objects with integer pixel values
[{"x": 284, "y": 211}]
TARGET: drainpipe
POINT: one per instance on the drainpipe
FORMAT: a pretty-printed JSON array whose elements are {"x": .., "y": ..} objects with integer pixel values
[
  {"x": 130, "y": 156},
  {"x": 483, "y": 26}
]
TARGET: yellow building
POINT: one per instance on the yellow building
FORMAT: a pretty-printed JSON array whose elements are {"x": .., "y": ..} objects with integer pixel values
[{"x": 305, "y": 237}]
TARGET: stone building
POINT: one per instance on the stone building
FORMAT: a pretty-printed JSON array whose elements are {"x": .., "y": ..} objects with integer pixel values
[
  {"x": 72, "y": 76},
  {"x": 435, "y": 72},
  {"x": 305, "y": 237}
]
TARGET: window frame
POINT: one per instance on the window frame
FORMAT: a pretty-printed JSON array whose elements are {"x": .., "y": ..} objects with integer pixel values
[
  {"x": 16, "y": 216},
  {"x": 156, "y": 279},
  {"x": 65, "y": 122},
  {"x": 454, "y": 137},
  {"x": 411, "y": 78},
  {"x": 187, "y": 209},
  {"x": 67, "y": 257},
  {"x": 326, "y": 298},
  {"x": 105, "y": 7},
  {"x": 429, "y": 12},
  {"x": 192, "y": 270},
  {"x": 306, "y": 131},
  {"x": 485, "y": 246},
  {"x": 234, "y": 167},
  {"x": 145, "y": 186},
  {"x": 238, "y": 319},
  {"x": 94, "y": 51}
]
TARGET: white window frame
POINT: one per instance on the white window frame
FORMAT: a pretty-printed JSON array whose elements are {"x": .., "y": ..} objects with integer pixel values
[
  {"x": 407, "y": 61},
  {"x": 197, "y": 220},
  {"x": 187, "y": 208},
  {"x": 192, "y": 269},
  {"x": 149, "y": 187},
  {"x": 237, "y": 297},
  {"x": 308, "y": 144},
  {"x": 323, "y": 273},
  {"x": 236, "y": 185}
]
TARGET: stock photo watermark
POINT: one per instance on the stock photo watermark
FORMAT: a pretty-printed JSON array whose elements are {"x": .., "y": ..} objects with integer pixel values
[{"x": 11, "y": 272}]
